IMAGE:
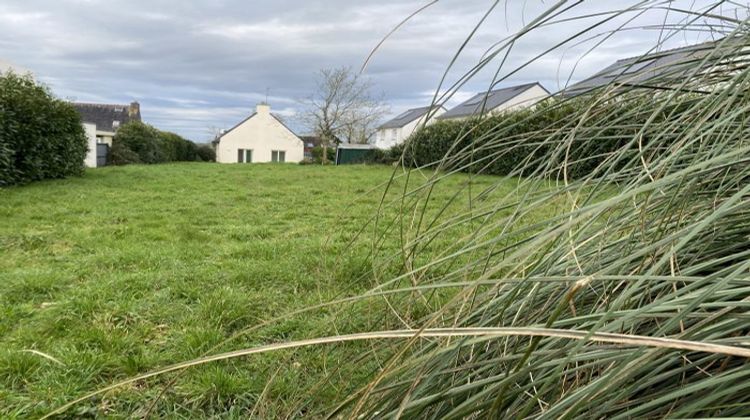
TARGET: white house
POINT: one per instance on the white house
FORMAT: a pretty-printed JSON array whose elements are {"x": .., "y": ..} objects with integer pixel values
[
  {"x": 499, "y": 100},
  {"x": 90, "y": 160},
  {"x": 397, "y": 130},
  {"x": 107, "y": 118},
  {"x": 261, "y": 137}
]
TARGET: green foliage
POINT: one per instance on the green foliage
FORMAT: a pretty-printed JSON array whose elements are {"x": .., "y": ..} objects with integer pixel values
[
  {"x": 623, "y": 300},
  {"x": 206, "y": 153},
  {"x": 137, "y": 142},
  {"x": 143, "y": 140},
  {"x": 317, "y": 154},
  {"x": 168, "y": 261},
  {"x": 41, "y": 137},
  {"x": 119, "y": 154}
]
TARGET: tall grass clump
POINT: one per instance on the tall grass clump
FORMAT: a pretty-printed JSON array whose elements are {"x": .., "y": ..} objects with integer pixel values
[
  {"x": 650, "y": 246},
  {"x": 612, "y": 282}
]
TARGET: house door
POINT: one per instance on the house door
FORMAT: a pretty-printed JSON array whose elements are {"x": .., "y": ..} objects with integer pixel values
[{"x": 102, "y": 149}]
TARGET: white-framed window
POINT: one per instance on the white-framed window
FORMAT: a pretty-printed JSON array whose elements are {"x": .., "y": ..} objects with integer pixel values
[
  {"x": 278, "y": 156},
  {"x": 244, "y": 156}
]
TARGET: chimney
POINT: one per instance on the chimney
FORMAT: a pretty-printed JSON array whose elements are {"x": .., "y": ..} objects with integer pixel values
[
  {"x": 263, "y": 108},
  {"x": 134, "y": 111}
]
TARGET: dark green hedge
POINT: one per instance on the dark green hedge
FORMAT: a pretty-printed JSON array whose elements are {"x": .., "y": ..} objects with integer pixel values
[
  {"x": 137, "y": 142},
  {"x": 206, "y": 153},
  {"x": 41, "y": 137},
  {"x": 501, "y": 144}
]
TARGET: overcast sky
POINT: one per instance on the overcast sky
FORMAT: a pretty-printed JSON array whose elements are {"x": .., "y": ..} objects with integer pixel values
[{"x": 199, "y": 64}]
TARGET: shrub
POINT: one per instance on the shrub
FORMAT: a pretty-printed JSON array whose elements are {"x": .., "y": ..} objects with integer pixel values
[
  {"x": 500, "y": 144},
  {"x": 176, "y": 148},
  {"x": 41, "y": 137},
  {"x": 136, "y": 142},
  {"x": 317, "y": 154},
  {"x": 142, "y": 139},
  {"x": 119, "y": 154},
  {"x": 206, "y": 153}
]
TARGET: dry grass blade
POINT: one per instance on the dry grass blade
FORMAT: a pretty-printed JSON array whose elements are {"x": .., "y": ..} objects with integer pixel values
[{"x": 623, "y": 339}]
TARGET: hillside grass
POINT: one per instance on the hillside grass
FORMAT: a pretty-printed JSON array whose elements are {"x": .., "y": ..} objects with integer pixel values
[{"x": 128, "y": 269}]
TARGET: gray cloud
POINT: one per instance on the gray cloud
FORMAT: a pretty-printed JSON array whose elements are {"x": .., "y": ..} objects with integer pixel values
[{"x": 200, "y": 64}]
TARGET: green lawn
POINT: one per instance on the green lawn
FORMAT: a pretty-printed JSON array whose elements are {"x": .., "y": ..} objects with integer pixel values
[{"x": 131, "y": 268}]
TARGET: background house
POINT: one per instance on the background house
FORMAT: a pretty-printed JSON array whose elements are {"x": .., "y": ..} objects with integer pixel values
[
  {"x": 310, "y": 142},
  {"x": 397, "y": 130},
  {"x": 108, "y": 118},
  {"x": 670, "y": 67},
  {"x": 261, "y": 137},
  {"x": 499, "y": 100}
]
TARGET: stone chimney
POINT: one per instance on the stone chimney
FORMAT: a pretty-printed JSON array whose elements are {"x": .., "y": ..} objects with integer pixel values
[
  {"x": 263, "y": 108},
  {"x": 134, "y": 111}
]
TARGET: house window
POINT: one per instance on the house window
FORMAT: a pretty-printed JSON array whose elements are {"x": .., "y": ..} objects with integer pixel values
[
  {"x": 244, "y": 156},
  {"x": 115, "y": 125},
  {"x": 278, "y": 156}
]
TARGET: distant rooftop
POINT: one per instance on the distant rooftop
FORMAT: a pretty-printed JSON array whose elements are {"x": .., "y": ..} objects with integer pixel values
[
  {"x": 668, "y": 65},
  {"x": 108, "y": 117},
  {"x": 487, "y": 101},
  {"x": 407, "y": 117}
]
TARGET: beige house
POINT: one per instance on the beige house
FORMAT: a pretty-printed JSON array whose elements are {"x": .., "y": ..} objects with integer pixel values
[
  {"x": 261, "y": 137},
  {"x": 397, "y": 130},
  {"x": 497, "y": 101}
]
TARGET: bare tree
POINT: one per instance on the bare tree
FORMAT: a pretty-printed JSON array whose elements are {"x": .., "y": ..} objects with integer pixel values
[{"x": 342, "y": 108}]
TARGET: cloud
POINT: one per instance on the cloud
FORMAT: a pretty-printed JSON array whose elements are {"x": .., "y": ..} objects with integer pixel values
[{"x": 205, "y": 63}]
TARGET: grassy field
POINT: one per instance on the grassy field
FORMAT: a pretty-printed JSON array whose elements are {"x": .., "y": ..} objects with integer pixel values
[{"x": 131, "y": 268}]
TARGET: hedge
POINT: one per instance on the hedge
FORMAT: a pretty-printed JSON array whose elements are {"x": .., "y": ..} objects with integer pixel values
[
  {"x": 41, "y": 137},
  {"x": 500, "y": 144},
  {"x": 137, "y": 142}
]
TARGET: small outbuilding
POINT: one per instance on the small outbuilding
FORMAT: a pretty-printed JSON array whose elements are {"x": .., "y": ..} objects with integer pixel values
[
  {"x": 348, "y": 153},
  {"x": 261, "y": 137}
]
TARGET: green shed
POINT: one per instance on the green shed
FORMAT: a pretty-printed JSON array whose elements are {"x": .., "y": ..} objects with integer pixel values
[{"x": 347, "y": 154}]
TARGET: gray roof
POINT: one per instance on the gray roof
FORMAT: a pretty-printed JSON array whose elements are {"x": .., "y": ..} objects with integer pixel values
[
  {"x": 487, "y": 101},
  {"x": 276, "y": 117},
  {"x": 407, "y": 117},
  {"x": 108, "y": 117},
  {"x": 667, "y": 66}
]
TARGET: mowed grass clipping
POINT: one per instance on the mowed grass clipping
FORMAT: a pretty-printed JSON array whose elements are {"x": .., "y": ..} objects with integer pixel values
[{"x": 128, "y": 269}]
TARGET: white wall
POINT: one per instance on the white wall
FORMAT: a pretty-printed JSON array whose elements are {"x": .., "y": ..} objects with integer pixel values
[
  {"x": 386, "y": 138},
  {"x": 262, "y": 134},
  {"x": 90, "y": 160},
  {"x": 526, "y": 99}
]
